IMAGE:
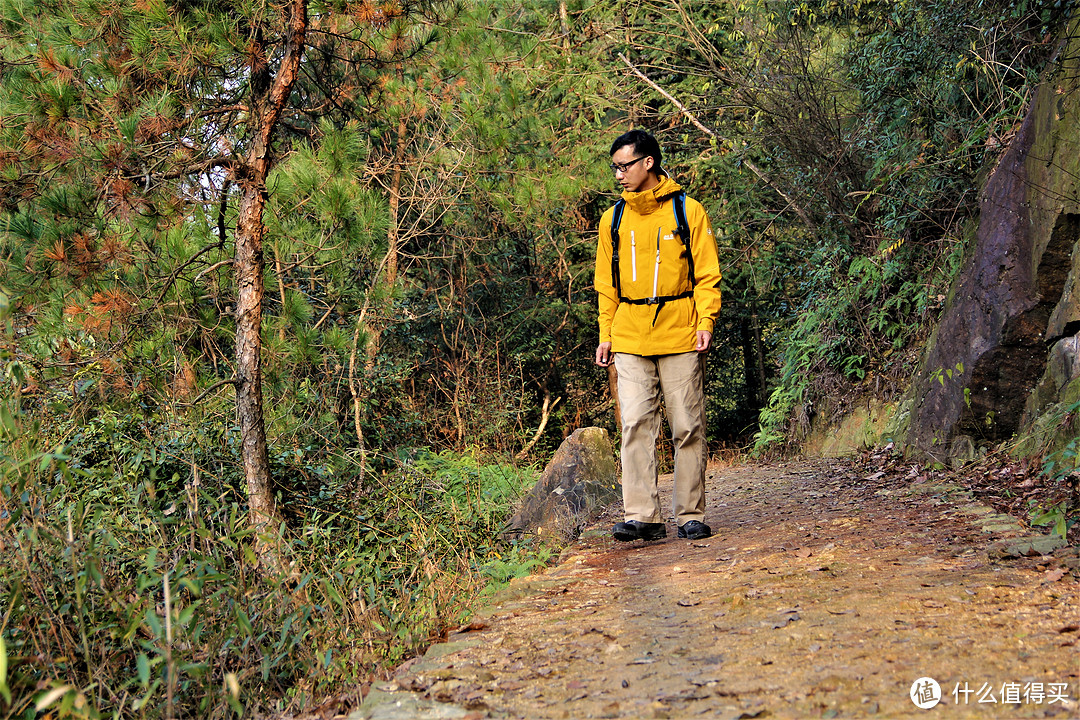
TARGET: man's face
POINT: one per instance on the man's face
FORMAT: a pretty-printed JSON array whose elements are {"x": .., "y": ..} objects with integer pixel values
[{"x": 638, "y": 176}]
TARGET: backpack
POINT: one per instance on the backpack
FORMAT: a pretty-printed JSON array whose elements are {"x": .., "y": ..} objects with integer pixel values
[{"x": 682, "y": 227}]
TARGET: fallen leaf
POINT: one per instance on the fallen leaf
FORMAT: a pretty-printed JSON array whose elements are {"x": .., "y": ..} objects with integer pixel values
[
  {"x": 1069, "y": 629},
  {"x": 688, "y": 603},
  {"x": 1055, "y": 575},
  {"x": 783, "y": 621},
  {"x": 804, "y": 552},
  {"x": 600, "y": 631}
]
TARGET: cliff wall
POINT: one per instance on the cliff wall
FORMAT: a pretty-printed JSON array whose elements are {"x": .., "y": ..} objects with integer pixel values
[{"x": 1004, "y": 361}]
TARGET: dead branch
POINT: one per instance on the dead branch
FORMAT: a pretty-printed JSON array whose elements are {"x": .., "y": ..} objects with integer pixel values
[{"x": 545, "y": 415}]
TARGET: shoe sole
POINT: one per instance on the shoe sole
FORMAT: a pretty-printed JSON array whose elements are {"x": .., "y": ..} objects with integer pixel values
[{"x": 630, "y": 537}]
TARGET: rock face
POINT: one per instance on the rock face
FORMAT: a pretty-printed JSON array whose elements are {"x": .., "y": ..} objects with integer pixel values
[
  {"x": 1005, "y": 352},
  {"x": 580, "y": 479}
]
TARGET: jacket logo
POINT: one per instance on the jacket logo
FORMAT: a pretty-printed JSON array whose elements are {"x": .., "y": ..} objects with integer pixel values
[{"x": 669, "y": 237}]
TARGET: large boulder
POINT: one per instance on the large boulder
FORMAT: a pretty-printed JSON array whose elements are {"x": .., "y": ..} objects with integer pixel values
[
  {"x": 1004, "y": 351},
  {"x": 580, "y": 480}
]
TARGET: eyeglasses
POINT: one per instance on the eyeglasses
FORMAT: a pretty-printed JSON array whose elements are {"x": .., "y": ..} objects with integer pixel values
[{"x": 623, "y": 167}]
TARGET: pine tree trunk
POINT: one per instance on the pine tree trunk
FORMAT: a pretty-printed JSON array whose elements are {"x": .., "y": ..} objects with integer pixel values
[
  {"x": 268, "y": 98},
  {"x": 262, "y": 510}
]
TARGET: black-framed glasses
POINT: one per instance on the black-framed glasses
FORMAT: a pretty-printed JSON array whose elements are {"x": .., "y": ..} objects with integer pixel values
[{"x": 623, "y": 167}]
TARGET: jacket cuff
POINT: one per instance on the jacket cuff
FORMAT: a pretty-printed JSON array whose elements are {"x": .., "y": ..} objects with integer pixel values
[{"x": 705, "y": 324}]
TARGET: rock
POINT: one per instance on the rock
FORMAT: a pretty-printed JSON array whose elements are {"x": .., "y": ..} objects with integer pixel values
[
  {"x": 1016, "y": 301},
  {"x": 580, "y": 479},
  {"x": 1026, "y": 547},
  {"x": 961, "y": 450},
  {"x": 382, "y": 705}
]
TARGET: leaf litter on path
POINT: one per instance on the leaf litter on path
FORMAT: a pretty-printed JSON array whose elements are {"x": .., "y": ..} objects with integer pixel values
[{"x": 908, "y": 592}]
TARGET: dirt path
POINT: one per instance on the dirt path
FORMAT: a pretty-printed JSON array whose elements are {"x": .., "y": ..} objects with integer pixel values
[{"x": 821, "y": 595}]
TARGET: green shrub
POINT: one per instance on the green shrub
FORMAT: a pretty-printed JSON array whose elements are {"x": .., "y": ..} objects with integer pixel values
[{"x": 131, "y": 589}]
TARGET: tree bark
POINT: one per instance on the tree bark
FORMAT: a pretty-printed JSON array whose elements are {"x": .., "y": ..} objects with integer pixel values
[{"x": 268, "y": 99}]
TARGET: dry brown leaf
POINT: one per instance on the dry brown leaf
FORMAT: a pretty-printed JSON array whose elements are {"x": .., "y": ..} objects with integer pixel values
[{"x": 1055, "y": 575}]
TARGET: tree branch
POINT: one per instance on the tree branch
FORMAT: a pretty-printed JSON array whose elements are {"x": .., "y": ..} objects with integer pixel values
[
  {"x": 229, "y": 381},
  {"x": 701, "y": 126},
  {"x": 176, "y": 273},
  {"x": 545, "y": 415}
]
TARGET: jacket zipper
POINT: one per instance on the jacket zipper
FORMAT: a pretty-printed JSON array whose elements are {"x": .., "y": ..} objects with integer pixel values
[
  {"x": 633, "y": 256},
  {"x": 656, "y": 268}
]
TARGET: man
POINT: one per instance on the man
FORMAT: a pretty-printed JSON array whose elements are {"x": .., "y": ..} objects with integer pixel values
[{"x": 659, "y": 296}]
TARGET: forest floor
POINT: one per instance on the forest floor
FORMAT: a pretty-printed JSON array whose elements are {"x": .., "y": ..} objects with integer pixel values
[{"x": 826, "y": 591}]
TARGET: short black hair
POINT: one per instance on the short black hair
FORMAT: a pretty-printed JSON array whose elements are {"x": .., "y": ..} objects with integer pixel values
[{"x": 644, "y": 144}]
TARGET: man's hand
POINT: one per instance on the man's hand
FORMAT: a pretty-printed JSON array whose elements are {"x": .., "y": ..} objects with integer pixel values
[
  {"x": 603, "y": 354},
  {"x": 704, "y": 340}
]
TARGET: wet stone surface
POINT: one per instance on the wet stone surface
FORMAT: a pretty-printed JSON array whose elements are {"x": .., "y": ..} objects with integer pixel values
[{"x": 823, "y": 594}]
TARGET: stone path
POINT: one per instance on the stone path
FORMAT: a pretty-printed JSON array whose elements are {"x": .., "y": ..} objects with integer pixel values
[{"x": 823, "y": 594}]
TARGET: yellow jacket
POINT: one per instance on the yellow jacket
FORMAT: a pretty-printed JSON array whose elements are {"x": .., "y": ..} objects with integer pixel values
[{"x": 651, "y": 264}]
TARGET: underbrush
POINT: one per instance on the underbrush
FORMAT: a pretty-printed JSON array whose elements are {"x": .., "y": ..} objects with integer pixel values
[{"x": 131, "y": 588}]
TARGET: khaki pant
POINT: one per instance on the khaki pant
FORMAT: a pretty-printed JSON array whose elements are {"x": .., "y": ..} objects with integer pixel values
[{"x": 641, "y": 380}]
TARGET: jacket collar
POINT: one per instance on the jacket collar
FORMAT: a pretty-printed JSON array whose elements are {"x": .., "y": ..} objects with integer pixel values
[{"x": 648, "y": 201}]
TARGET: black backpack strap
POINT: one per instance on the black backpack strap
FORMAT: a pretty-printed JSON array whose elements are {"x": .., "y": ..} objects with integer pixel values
[
  {"x": 659, "y": 302},
  {"x": 682, "y": 227},
  {"x": 616, "y": 220}
]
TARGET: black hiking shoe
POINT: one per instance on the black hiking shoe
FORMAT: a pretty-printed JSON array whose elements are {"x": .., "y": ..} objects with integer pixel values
[
  {"x": 637, "y": 530},
  {"x": 695, "y": 530}
]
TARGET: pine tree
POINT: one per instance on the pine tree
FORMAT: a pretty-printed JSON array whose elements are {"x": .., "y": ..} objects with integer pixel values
[{"x": 135, "y": 134}]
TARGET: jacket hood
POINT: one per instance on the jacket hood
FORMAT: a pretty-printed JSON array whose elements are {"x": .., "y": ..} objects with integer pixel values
[{"x": 648, "y": 201}]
